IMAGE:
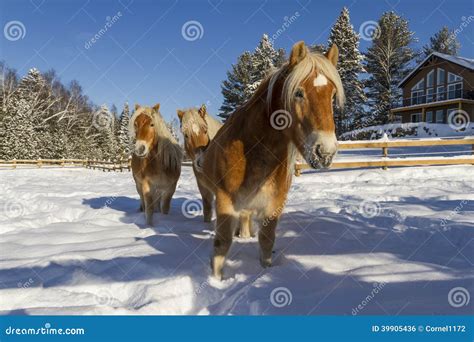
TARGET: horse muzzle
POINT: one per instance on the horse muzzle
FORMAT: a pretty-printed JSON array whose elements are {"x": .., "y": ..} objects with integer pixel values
[
  {"x": 321, "y": 154},
  {"x": 141, "y": 150}
]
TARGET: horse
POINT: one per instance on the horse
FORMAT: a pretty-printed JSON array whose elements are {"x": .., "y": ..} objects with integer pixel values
[
  {"x": 156, "y": 160},
  {"x": 250, "y": 162},
  {"x": 198, "y": 129}
]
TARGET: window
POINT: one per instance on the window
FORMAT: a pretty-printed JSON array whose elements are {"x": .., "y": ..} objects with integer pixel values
[
  {"x": 417, "y": 97},
  {"x": 429, "y": 95},
  {"x": 416, "y": 117},
  {"x": 440, "y": 116},
  {"x": 430, "y": 79},
  {"x": 440, "y": 76},
  {"x": 454, "y": 91},
  {"x": 429, "y": 117},
  {"x": 419, "y": 85},
  {"x": 453, "y": 78},
  {"x": 440, "y": 93}
]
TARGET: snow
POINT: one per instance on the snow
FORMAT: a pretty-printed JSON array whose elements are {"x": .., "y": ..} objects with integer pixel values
[
  {"x": 73, "y": 242},
  {"x": 422, "y": 130}
]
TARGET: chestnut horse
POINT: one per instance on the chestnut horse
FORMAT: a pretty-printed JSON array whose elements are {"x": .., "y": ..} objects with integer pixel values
[
  {"x": 156, "y": 160},
  {"x": 250, "y": 162},
  {"x": 198, "y": 129}
]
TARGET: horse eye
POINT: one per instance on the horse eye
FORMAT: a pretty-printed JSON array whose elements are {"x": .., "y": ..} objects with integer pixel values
[
  {"x": 299, "y": 93},
  {"x": 152, "y": 125}
]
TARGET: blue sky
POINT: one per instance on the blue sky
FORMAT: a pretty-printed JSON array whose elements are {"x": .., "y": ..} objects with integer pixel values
[{"x": 144, "y": 58}]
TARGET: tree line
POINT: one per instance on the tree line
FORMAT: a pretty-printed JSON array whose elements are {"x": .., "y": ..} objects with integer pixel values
[
  {"x": 40, "y": 117},
  {"x": 370, "y": 79}
]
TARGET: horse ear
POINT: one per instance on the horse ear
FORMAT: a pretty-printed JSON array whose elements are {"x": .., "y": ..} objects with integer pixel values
[
  {"x": 180, "y": 114},
  {"x": 156, "y": 107},
  {"x": 298, "y": 53},
  {"x": 333, "y": 54},
  {"x": 137, "y": 106},
  {"x": 202, "y": 111}
]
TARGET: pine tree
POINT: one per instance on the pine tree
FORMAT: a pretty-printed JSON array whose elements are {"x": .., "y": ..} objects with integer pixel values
[
  {"x": 234, "y": 88},
  {"x": 124, "y": 140},
  {"x": 248, "y": 73},
  {"x": 387, "y": 62},
  {"x": 103, "y": 122},
  {"x": 349, "y": 68},
  {"x": 443, "y": 41}
]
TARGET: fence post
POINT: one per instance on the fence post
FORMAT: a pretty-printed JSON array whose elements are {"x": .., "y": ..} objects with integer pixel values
[
  {"x": 14, "y": 163},
  {"x": 384, "y": 154},
  {"x": 297, "y": 171},
  {"x": 62, "y": 162},
  {"x": 39, "y": 162}
]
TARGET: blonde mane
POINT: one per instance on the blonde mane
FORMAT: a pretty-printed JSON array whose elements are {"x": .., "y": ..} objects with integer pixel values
[
  {"x": 312, "y": 61},
  {"x": 192, "y": 122},
  {"x": 168, "y": 148}
]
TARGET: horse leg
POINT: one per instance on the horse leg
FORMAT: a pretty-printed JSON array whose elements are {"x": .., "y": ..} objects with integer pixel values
[
  {"x": 227, "y": 220},
  {"x": 266, "y": 239},
  {"x": 139, "y": 190},
  {"x": 148, "y": 199},
  {"x": 207, "y": 198},
  {"x": 157, "y": 202},
  {"x": 245, "y": 224},
  {"x": 166, "y": 199}
]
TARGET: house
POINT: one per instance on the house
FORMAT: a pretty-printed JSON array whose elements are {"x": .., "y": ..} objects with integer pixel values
[{"x": 439, "y": 85}]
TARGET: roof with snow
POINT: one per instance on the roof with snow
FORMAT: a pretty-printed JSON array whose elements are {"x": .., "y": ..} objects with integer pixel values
[{"x": 462, "y": 61}]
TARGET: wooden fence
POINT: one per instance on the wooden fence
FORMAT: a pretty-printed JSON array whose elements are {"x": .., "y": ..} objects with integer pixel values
[{"x": 386, "y": 162}]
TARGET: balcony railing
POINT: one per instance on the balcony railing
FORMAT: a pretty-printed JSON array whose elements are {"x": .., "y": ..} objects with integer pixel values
[{"x": 433, "y": 98}]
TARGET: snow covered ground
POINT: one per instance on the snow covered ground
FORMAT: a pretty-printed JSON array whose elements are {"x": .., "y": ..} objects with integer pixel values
[{"x": 350, "y": 242}]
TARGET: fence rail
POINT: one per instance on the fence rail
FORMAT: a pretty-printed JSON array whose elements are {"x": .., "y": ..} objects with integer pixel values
[{"x": 384, "y": 162}]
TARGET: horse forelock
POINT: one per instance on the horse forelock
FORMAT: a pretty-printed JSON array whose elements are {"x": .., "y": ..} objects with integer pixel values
[{"x": 294, "y": 77}]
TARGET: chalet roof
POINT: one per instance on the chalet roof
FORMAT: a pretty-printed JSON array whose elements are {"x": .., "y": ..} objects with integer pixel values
[{"x": 467, "y": 63}]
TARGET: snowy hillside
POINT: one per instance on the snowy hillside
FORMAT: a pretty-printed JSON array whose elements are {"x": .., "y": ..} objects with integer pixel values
[{"x": 349, "y": 242}]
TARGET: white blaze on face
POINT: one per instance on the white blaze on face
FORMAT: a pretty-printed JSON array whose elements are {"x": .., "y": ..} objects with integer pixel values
[
  {"x": 320, "y": 81},
  {"x": 195, "y": 128}
]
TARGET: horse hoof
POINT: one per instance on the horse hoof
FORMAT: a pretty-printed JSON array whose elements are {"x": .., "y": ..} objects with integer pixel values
[{"x": 266, "y": 263}]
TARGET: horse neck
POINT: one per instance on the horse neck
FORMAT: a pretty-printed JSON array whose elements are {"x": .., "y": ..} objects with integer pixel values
[{"x": 257, "y": 119}]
